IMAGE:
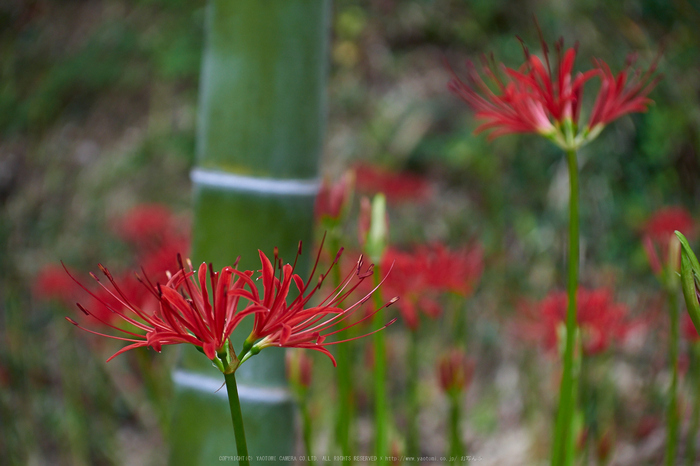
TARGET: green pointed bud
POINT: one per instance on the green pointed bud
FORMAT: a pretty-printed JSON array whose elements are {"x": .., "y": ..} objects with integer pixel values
[
  {"x": 377, "y": 237},
  {"x": 690, "y": 271}
]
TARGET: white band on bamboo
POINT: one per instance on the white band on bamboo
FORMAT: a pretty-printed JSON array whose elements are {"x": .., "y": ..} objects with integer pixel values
[
  {"x": 203, "y": 383},
  {"x": 221, "y": 179}
]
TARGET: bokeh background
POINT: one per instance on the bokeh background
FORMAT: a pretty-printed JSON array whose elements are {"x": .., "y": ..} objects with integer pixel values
[{"x": 97, "y": 116}]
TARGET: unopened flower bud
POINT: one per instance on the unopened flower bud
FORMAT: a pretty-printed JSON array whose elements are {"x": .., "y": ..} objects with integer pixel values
[
  {"x": 333, "y": 199},
  {"x": 373, "y": 227},
  {"x": 298, "y": 365},
  {"x": 455, "y": 371}
]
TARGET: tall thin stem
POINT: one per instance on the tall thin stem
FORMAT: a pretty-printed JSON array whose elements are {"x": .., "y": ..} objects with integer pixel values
[
  {"x": 456, "y": 447},
  {"x": 695, "y": 419},
  {"x": 565, "y": 413},
  {"x": 381, "y": 412},
  {"x": 237, "y": 418},
  {"x": 672, "y": 418},
  {"x": 412, "y": 437},
  {"x": 306, "y": 432}
]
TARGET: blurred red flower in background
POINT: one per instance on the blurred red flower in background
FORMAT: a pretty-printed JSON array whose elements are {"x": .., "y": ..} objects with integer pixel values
[
  {"x": 333, "y": 198},
  {"x": 600, "y": 319},
  {"x": 419, "y": 276},
  {"x": 455, "y": 271},
  {"x": 659, "y": 235},
  {"x": 689, "y": 331},
  {"x": 52, "y": 283},
  {"x": 408, "y": 279},
  {"x": 156, "y": 237},
  {"x": 397, "y": 187}
]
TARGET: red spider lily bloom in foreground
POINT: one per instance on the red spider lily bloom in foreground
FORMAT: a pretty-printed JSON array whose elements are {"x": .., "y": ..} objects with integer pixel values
[
  {"x": 659, "y": 236},
  {"x": 600, "y": 319},
  {"x": 537, "y": 99},
  {"x": 186, "y": 313}
]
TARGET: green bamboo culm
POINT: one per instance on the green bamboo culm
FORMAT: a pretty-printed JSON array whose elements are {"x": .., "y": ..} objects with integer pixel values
[{"x": 262, "y": 110}]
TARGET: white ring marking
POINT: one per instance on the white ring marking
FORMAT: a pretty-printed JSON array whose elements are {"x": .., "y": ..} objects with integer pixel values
[
  {"x": 203, "y": 383},
  {"x": 221, "y": 179}
]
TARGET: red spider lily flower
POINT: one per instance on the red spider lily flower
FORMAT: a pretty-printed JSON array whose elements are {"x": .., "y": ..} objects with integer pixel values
[
  {"x": 536, "y": 99},
  {"x": 455, "y": 371},
  {"x": 600, "y": 319},
  {"x": 296, "y": 324},
  {"x": 621, "y": 94},
  {"x": 333, "y": 199},
  {"x": 659, "y": 236},
  {"x": 397, "y": 187},
  {"x": 453, "y": 271},
  {"x": 409, "y": 279},
  {"x": 186, "y": 313}
]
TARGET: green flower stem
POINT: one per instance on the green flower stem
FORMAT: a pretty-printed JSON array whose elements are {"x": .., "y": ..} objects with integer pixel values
[
  {"x": 346, "y": 398},
  {"x": 456, "y": 447},
  {"x": 695, "y": 419},
  {"x": 412, "y": 442},
  {"x": 237, "y": 418},
  {"x": 306, "y": 431},
  {"x": 381, "y": 410},
  {"x": 672, "y": 417},
  {"x": 562, "y": 430}
]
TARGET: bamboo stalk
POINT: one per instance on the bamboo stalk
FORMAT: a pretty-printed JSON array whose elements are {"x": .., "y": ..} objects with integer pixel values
[{"x": 260, "y": 131}]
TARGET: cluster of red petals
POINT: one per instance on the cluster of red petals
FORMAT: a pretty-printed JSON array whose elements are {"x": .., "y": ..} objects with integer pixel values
[
  {"x": 455, "y": 271},
  {"x": 659, "y": 234},
  {"x": 187, "y": 313},
  {"x": 297, "y": 324},
  {"x": 397, "y": 187},
  {"x": 455, "y": 371},
  {"x": 153, "y": 233},
  {"x": 419, "y": 277},
  {"x": 600, "y": 319},
  {"x": 533, "y": 98},
  {"x": 622, "y": 94}
]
